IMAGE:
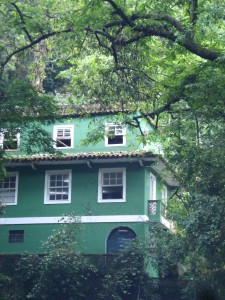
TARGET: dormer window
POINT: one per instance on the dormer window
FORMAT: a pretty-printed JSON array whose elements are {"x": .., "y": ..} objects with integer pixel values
[
  {"x": 10, "y": 139},
  {"x": 115, "y": 135},
  {"x": 63, "y": 136}
]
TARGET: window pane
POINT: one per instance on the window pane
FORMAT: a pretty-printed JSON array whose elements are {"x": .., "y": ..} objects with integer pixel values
[
  {"x": 60, "y": 133},
  {"x": 67, "y": 132},
  {"x": 8, "y": 190},
  {"x": 16, "y": 236},
  {"x": 119, "y": 130},
  {"x": 115, "y": 135},
  {"x": 118, "y": 139},
  {"x": 58, "y": 187},
  {"x": 63, "y": 138},
  {"x": 114, "y": 192}
]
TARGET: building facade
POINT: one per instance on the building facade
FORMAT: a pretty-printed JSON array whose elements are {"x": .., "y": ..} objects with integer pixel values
[{"x": 113, "y": 187}]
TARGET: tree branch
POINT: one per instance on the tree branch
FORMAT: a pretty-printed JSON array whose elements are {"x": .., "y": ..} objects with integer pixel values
[
  {"x": 119, "y": 12},
  {"x": 194, "y": 12},
  {"x": 186, "y": 41},
  {"x": 31, "y": 44},
  {"x": 177, "y": 33},
  {"x": 22, "y": 21},
  {"x": 178, "y": 25}
]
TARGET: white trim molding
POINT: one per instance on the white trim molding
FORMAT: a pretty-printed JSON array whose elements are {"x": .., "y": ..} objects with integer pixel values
[{"x": 81, "y": 219}]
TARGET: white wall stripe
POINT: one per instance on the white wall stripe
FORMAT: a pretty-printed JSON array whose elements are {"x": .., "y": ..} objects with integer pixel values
[{"x": 82, "y": 219}]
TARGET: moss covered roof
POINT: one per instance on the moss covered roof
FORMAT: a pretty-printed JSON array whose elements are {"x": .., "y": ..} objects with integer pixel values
[{"x": 138, "y": 154}]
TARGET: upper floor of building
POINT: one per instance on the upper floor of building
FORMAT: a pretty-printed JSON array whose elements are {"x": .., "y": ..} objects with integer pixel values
[{"x": 93, "y": 132}]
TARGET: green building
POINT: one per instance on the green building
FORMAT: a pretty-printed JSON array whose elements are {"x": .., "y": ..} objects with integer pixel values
[{"x": 114, "y": 186}]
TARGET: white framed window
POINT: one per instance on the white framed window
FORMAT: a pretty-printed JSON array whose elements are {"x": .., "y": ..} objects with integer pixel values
[
  {"x": 9, "y": 189},
  {"x": 152, "y": 187},
  {"x": 164, "y": 194},
  {"x": 63, "y": 136},
  {"x": 115, "y": 135},
  {"x": 10, "y": 139},
  {"x": 112, "y": 185},
  {"x": 58, "y": 186}
]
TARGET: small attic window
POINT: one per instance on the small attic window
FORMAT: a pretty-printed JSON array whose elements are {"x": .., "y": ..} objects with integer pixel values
[
  {"x": 10, "y": 139},
  {"x": 115, "y": 135},
  {"x": 63, "y": 136},
  {"x": 16, "y": 236}
]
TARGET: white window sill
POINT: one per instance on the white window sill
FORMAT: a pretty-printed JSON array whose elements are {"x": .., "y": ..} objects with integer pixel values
[
  {"x": 111, "y": 200},
  {"x": 57, "y": 202}
]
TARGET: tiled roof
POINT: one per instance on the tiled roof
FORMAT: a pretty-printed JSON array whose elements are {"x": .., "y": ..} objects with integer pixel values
[
  {"x": 139, "y": 154},
  {"x": 80, "y": 110}
]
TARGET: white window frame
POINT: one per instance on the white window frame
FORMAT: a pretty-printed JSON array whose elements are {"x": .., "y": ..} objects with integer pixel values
[
  {"x": 16, "y": 174},
  {"x": 55, "y": 131},
  {"x": 17, "y": 139},
  {"x": 107, "y": 126},
  {"x": 48, "y": 173},
  {"x": 152, "y": 187},
  {"x": 164, "y": 194},
  {"x": 100, "y": 184}
]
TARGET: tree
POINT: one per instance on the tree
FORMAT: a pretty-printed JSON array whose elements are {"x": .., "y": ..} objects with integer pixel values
[
  {"x": 164, "y": 58},
  {"x": 64, "y": 273},
  {"x": 22, "y": 106},
  {"x": 61, "y": 273}
]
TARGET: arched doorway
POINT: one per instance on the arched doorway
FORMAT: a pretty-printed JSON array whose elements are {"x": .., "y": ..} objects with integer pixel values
[{"x": 118, "y": 239}]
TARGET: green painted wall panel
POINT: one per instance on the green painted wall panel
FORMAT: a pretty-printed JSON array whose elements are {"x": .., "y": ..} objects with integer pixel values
[
  {"x": 82, "y": 126},
  {"x": 92, "y": 239},
  {"x": 84, "y": 193}
]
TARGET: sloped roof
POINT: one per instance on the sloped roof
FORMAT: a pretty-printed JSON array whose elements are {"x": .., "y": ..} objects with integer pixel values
[
  {"x": 91, "y": 109},
  {"x": 139, "y": 154}
]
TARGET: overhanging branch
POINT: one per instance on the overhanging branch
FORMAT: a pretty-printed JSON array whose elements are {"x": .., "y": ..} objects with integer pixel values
[
  {"x": 170, "y": 29},
  {"x": 33, "y": 43}
]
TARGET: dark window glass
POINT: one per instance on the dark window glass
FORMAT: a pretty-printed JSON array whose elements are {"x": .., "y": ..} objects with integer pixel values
[
  {"x": 16, "y": 236},
  {"x": 112, "y": 192},
  {"x": 63, "y": 143},
  {"x": 115, "y": 140}
]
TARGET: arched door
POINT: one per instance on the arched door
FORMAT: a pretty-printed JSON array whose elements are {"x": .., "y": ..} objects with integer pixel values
[{"x": 119, "y": 238}]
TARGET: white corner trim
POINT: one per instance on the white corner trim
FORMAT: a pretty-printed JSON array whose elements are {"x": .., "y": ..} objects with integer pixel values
[
  {"x": 82, "y": 219},
  {"x": 168, "y": 224}
]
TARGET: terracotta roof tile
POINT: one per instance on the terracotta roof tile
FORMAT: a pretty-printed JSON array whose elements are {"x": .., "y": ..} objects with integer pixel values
[{"x": 80, "y": 156}]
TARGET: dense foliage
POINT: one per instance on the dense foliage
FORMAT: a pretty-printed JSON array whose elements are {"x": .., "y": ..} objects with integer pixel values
[
  {"x": 165, "y": 58},
  {"x": 64, "y": 273}
]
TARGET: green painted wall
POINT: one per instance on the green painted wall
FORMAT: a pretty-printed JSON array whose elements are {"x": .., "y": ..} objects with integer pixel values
[
  {"x": 92, "y": 239},
  {"x": 83, "y": 126},
  {"x": 84, "y": 192}
]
